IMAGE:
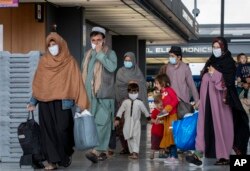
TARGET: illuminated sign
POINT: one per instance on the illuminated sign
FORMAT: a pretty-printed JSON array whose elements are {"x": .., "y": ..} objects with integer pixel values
[
  {"x": 9, "y": 3},
  {"x": 199, "y": 49},
  {"x": 195, "y": 49}
]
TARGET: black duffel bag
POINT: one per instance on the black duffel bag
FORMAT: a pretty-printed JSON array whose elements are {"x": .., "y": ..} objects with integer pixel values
[{"x": 29, "y": 137}]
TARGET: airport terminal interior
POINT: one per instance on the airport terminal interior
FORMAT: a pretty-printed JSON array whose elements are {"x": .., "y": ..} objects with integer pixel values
[{"x": 146, "y": 27}]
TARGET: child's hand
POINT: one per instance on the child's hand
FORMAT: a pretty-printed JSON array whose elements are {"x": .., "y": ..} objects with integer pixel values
[
  {"x": 164, "y": 111},
  {"x": 158, "y": 121},
  {"x": 152, "y": 121},
  {"x": 116, "y": 122}
]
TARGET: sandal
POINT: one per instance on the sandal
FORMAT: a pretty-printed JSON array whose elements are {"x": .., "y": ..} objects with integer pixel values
[
  {"x": 102, "y": 157},
  {"x": 222, "y": 161},
  {"x": 111, "y": 153},
  {"x": 92, "y": 157},
  {"x": 134, "y": 156},
  {"x": 50, "y": 166}
]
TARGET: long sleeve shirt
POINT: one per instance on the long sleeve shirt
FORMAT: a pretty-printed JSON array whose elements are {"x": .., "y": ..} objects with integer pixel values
[{"x": 182, "y": 81}]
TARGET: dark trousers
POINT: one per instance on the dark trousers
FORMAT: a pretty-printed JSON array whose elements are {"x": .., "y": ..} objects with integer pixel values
[
  {"x": 56, "y": 132},
  {"x": 112, "y": 141}
]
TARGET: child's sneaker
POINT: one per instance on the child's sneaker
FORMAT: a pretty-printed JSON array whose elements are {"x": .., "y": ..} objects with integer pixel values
[
  {"x": 163, "y": 155},
  {"x": 194, "y": 160},
  {"x": 171, "y": 160},
  {"x": 152, "y": 156},
  {"x": 160, "y": 115}
]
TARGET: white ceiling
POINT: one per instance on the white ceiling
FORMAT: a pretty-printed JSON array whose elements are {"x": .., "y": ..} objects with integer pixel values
[{"x": 124, "y": 17}]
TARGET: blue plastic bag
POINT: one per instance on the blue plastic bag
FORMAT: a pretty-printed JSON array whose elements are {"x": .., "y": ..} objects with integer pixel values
[
  {"x": 85, "y": 132},
  {"x": 184, "y": 132}
]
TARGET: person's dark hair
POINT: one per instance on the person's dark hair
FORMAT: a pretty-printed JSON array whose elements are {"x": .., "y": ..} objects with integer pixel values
[
  {"x": 239, "y": 55},
  {"x": 176, "y": 50},
  {"x": 163, "y": 80},
  {"x": 94, "y": 33},
  {"x": 133, "y": 88}
]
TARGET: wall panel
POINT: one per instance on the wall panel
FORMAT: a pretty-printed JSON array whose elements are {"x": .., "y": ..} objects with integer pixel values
[
  {"x": 5, "y": 20},
  {"x": 22, "y": 33}
]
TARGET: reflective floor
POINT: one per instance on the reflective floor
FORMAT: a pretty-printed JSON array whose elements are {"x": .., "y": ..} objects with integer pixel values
[{"x": 122, "y": 163}]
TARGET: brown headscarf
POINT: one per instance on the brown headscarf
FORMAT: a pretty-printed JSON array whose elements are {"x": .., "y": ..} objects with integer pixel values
[{"x": 59, "y": 77}]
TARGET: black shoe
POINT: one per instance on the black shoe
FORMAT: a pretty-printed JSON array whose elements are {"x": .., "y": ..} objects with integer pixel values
[
  {"x": 102, "y": 157},
  {"x": 193, "y": 159},
  {"x": 92, "y": 157},
  {"x": 222, "y": 161}
]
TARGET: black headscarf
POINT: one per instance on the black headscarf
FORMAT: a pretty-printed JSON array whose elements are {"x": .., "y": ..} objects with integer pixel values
[{"x": 226, "y": 65}]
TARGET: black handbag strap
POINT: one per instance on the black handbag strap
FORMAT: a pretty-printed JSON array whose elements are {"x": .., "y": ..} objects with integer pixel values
[
  {"x": 180, "y": 98},
  {"x": 32, "y": 115}
]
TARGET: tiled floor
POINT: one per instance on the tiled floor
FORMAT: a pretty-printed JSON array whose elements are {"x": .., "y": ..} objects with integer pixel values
[{"x": 122, "y": 163}]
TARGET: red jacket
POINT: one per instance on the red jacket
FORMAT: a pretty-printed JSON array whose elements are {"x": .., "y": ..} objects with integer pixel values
[
  {"x": 157, "y": 129},
  {"x": 169, "y": 100}
]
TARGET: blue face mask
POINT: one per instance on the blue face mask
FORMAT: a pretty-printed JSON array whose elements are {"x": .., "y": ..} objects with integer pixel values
[
  {"x": 128, "y": 64},
  {"x": 172, "y": 60}
]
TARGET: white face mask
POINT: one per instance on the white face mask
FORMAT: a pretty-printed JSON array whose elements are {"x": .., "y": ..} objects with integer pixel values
[
  {"x": 133, "y": 96},
  {"x": 54, "y": 50},
  {"x": 217, "y": 52},
  {"x": 93, "y": 45},
  {"x": 172, "y": 60}
]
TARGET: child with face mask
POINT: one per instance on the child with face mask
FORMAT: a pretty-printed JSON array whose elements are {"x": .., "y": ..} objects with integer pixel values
[{"x": 132, "y": 109}]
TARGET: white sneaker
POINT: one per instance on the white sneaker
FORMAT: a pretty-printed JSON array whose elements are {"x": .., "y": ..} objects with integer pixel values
[{"x": 171, "y": 160}]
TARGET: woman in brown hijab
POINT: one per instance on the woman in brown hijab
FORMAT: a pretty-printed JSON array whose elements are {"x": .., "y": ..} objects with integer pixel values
[{"x": 57, "y": 85}]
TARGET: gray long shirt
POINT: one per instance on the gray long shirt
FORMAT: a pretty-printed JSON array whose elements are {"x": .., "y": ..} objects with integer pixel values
[{"x": 182, "y": 81}]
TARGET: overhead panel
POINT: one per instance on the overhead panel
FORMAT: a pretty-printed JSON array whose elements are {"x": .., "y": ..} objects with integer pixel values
[{"x": 125, "y": 17}]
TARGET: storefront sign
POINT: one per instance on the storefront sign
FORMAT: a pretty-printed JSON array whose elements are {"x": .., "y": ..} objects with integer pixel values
[{"x": 195, "y": 49}]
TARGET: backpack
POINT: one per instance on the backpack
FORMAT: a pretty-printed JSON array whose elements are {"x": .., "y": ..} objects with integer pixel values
[{"x": 29, "y": 137}]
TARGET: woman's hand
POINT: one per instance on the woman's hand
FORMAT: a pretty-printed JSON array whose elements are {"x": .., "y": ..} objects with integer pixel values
[
  {"x": 196, "y": 105},
  {"x": 30, "y": 107},
  {"x": 211, "y": 69}
]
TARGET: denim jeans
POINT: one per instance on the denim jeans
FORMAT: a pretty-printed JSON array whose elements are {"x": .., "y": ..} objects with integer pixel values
[{"x": 173, "y": 151}]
